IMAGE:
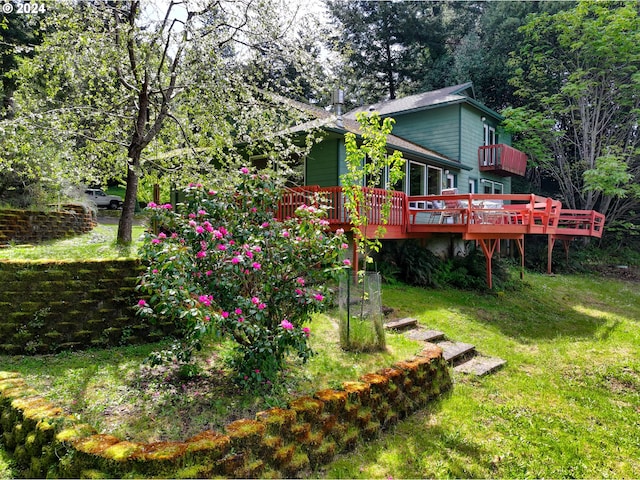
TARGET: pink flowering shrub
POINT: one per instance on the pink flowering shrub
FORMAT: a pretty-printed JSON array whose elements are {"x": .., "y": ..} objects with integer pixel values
[{"x": 223, "y": 266}]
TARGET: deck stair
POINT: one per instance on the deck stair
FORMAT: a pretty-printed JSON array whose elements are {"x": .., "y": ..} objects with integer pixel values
[{"x": 463, "y": 357}]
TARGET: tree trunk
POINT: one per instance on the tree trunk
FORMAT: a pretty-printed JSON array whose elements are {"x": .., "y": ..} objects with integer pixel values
[{"x": 125, "y": 225}]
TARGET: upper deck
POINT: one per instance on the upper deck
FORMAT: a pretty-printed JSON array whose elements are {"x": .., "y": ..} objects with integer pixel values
[{"x": 474, "y": 216}]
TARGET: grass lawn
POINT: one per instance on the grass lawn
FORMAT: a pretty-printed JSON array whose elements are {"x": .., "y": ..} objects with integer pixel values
[
  {"x": 566, "y": 405},
  {"x": 99, "y": 243}
]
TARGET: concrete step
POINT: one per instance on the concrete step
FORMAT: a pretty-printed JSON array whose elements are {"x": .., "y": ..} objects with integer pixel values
[
  {"x": 425, "y": 335},
  {"x": 480, "y": 365},
  {"x": 456, "y": 352},
  {"x": 400, "y": 324}
]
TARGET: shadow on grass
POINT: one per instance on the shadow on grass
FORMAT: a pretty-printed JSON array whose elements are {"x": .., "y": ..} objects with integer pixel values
[{"x": 544, "y": 308}]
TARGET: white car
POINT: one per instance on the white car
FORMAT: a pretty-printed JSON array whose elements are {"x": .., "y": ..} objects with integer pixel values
[{"x": 102, "y": 200}]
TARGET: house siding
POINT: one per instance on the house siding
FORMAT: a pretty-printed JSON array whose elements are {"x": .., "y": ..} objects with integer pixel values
[
  {"x": 321, "y": 165},
  {"x": 436, "y": 129}
]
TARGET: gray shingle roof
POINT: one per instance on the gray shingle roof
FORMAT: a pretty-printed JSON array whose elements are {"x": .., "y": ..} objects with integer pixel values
[{"x": 418, "y": 101}]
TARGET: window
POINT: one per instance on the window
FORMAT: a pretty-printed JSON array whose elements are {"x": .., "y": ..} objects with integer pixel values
[
  {"x": 491, "y": 187},
  {"x": 417, "y": 179},
  {"x": 489, "y": 157},
  {"x": 450, "y": 180},
  {"x": 473, "y": 185},
  {"x": 434, "y": 186}
]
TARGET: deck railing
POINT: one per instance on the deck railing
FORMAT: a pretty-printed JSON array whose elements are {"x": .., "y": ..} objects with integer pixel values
[
  {"x": 471, "y": 214},
  {"x": 502, "y": 159},
  {"x": 337, "y": 214}
]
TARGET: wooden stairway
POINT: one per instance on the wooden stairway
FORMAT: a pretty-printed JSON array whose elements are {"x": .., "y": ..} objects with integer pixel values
[{"x": 463, "y": 357}]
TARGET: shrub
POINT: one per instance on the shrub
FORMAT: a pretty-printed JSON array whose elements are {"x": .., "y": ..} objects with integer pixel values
[{"x": 225, "y": 265}]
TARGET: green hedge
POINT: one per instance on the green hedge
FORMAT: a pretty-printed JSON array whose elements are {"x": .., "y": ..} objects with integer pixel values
[
  {"x": 277, "y": 443},
  {"x": 27, "y": 226},
  {"x": 47, "y": 307}
]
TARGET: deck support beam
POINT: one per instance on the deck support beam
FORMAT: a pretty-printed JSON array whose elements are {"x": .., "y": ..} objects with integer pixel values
[
  {"x": 488, "y": 246},
  {"x": 551, "y": 241}
]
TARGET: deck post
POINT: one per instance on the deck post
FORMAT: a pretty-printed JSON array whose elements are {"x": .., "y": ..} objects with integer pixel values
[
  {"x": 551, "y": 241},
  {"x": 488, "y": 246},
  {"x": 520, "y": 243}
]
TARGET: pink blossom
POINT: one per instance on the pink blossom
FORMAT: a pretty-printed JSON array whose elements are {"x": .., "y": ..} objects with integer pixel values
[
  {"x": 285, "y": 233},
  {"x": 256, "y": 266},
  {"x": 254, "y": 209},
  {"x": 344, "y": 246},
  {"x": 155, "y": 270},
  {"x": 347, "y": 262},
  {"x": 155, "y": 241},
  {"x": 300, "y": 280},
  {"x": 299, "y": 292},
  {"x": 162, "y": 235},
  {"x": 225, "y": 314},
  {"x": 167, "y": 206},
  {"x": 241, "y": 319},
  {"x": 262, "y": 306},
  {"x": 142, "y": 303},
  {"x": 192, "y": 215},
  {"x": 306, "y": 330},
  {"x": 202, "y": 212},
  {"x": 199, "y": 229},
  {"x": 340, "y": 231},
  {"x": 174, "y": 235},
  {"x": 223, "y": 230},
  {"x": 201, "y": 254},
  {"x": 265, "y": 225},
  {"x": 257, "y": 249},
  {"x": 207, "y": 318},
  {"x": 192, "y": 223},
  {"x": 152, "y": 205},
  {"x": 255, "y": 300},
  {"x": 222, "y": 247},
  {"x": 319, "y": 297},
  {"x": 205, "y": 300},
  {"x": 236, "y": 260},
  {"x": 286, "y": 324},
  {"x": 238, "y": 311},
  {"x": 212, "y": 192},
  {"x": 244, "y": 170},
  {"x": 208, "y": 273}
]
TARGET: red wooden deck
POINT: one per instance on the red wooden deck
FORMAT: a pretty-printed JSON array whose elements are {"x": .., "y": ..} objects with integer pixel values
[{"x": 484, "y": 218}]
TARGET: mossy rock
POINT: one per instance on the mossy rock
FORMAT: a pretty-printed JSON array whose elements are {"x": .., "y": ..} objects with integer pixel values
[
  {"x": 278, "y": 421},
  {"x": 357, "y": 392},
  {"x": 95, "y": 444},
  {"x": 299, "y": 462},
  {"x": 283, "y": 455},
  {"x": 378, "y": 383},
  {"x": 251, "y": 469},
  {"x": 323, "y": 453},
  {"x": 74, "y": 433},
  {"x": 326, "y": 422},
  {"x": 233, "y": 463},
  {"x": 208, "y": 444},
  {"x": 307, "y": 408},
  {"x": 301, "y": 432},
  {"x": 334, "y": 400},
  {"x": 394, "y": 375},
  {"x": 245, "y": 434}
]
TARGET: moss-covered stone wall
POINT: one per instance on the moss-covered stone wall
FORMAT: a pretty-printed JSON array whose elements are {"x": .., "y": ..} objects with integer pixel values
[
  {"x": 27, "y": 226},
  {"x": 278, "y": 443},
  {"x": 47, "y": 307}
]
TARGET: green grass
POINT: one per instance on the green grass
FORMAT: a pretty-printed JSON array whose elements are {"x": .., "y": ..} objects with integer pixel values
[
  {"x": 99, "y": 243},
  {"x": 113, "y": 391},
  {"x": 566, "y": 405}
]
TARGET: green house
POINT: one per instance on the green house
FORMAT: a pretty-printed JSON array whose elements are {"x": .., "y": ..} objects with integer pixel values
[{"x": 448, "y": 138}]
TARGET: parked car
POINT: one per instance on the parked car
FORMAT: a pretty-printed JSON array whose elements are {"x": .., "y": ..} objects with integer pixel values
[{"x": 102, "y": 200}]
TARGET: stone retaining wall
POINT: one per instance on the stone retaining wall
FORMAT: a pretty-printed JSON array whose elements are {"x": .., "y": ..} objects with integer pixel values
[
  {"x": 47, "y": 307},
  {"x": 278, "y": 443},
  {"x": 26, "y": 226}
]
